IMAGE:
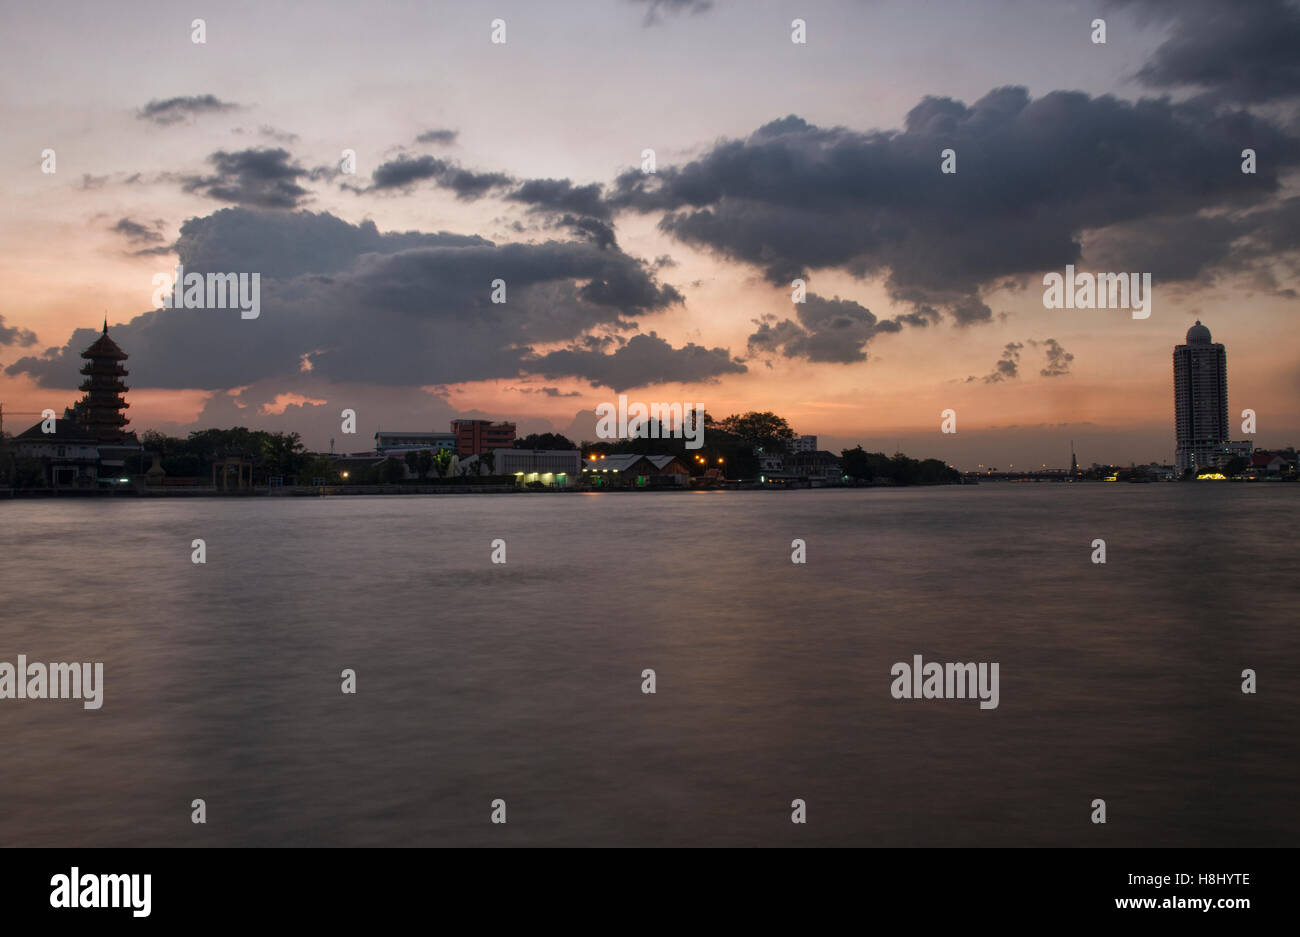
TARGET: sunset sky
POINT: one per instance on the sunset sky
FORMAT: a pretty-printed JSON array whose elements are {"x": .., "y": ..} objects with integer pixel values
[{"x": 522, "y": 161}]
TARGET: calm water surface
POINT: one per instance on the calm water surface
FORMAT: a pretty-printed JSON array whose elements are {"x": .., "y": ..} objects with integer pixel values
[{"x": 522, "y": 681}]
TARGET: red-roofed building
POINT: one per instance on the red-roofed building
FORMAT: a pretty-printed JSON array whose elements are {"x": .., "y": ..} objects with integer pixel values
[{"x": 1267, "y": 463}]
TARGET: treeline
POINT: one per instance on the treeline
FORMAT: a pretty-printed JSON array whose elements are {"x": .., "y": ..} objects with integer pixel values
[
  {"x": 736, "y": 442},
  {"x": 192, "y": 457},
  {"x": 876, "y": 467},
  {"x": 731, "y": 446}
]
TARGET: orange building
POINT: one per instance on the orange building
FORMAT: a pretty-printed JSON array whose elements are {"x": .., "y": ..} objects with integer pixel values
[{"x": 475, "y": 437}]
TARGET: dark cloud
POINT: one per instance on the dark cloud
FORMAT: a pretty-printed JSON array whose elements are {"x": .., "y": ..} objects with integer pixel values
[
  {"x": 138, "y": 233},
  {"x": 279, "y": 136},
  {"x": 258, "y": 178},
  {"x": 1238, "y": 52},
  {"x": 1034, "y": 176},
  {"x": 655, "y": 7},
  {"x": 440, "y": 137},
  {"x": 600, "y": 233},
  {"x": 547, "y": 391},
  {"x": 398, "y": 309},
  {"x": 642, "y": 360},
  {"x": 1058, "y": 359},
  {"x": 13, "y": 335},
  {"x": 1006, "y": 368},
  {"x": 581, "y": 210},
  {"x": 1204, "y": 247},
  {"x": 561, "y": 195},
  {"x": 175, "y": 110},
  {"x": 829, "y": 330},
  {"x": 403, "y": 173}
]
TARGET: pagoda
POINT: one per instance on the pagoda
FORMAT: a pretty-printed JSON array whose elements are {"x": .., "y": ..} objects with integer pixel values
[{"x": 99, "y": 412}]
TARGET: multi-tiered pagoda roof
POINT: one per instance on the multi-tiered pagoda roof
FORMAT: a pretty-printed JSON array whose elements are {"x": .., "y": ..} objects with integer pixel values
[{"x": 100, "y": 409}]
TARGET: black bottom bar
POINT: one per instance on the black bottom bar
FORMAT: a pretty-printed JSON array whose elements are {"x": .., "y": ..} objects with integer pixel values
[{"x": 333, "y": 887}]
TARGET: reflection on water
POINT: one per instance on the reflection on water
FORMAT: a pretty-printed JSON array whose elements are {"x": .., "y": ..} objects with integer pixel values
[{"x": 523, "y": 681}]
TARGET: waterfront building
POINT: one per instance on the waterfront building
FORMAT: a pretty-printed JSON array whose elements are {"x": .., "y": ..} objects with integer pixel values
[
  {"x": 558, "y": 468},
  {"x": 1269, "y": 463},
  {"x": 819, "y": 467},
  {"x": 632, "y": 470},
  {"x": 69, "y": 456},
  {"x": 475, "y": 437},
  {"x": 398, "y": 443}
]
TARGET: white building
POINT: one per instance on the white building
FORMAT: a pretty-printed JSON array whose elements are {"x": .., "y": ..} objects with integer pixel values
[
  {"x": 558, "y": 468},
  {"x": 69, "y": 454}
]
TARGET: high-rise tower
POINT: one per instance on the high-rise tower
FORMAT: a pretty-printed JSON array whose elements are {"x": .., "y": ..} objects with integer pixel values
[{"x": 1200, "y": 400}]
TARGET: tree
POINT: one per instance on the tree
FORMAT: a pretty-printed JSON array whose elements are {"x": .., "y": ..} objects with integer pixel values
[
  {"x": 855, "y": 464},
  {"x": 392, "y": 471},
  {"x": 423, "y": 463},
  {"x": 313, "y": 466},
  {"x": 442, "y": 462},
  {"x": 281, "y": 452},
  {"x": 28, "y": 473},
  {"x": 900, "y": 469},
  {"x": 158, "y": 442},
  {"x": 489, "y": 459},
  {"x": 765, "y": 430},
  {"x": 544, "y": 441}
]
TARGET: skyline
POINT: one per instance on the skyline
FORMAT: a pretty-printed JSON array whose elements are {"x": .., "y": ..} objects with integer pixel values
[{"x": 920, "y": 299}]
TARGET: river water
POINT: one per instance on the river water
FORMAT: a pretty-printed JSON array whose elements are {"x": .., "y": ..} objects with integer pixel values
[{"x": 522, "y": 681}]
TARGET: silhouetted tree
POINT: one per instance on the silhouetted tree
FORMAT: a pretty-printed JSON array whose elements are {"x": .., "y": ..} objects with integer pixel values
[
  {"x": 765, "y": 430},
  {"x": 544, "y": 441}
]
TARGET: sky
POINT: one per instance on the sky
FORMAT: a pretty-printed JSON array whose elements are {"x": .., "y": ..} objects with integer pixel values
[{"x": 522, "y": 161}]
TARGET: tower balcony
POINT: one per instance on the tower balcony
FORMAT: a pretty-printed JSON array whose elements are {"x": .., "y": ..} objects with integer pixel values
[
  {"x": 102, "y": 387},
  {"x": 104, "y": 367}
]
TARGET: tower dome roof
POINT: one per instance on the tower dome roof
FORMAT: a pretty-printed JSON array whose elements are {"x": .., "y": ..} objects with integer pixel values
[{"x": 1198, "y": 334}]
